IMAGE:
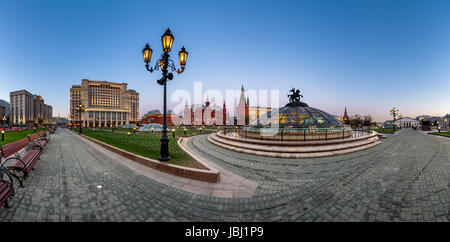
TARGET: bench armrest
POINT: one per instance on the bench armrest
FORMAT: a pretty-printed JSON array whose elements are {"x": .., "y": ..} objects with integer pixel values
[
  {"x": 16, "y": 157},
  {"x": 4, "y": 171}
]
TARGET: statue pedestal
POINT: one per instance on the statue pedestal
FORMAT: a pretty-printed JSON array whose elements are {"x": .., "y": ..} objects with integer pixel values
[{"x": 296, "y": 104}]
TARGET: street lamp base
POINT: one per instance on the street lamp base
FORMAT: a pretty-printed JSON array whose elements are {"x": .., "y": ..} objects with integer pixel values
[
  {"x": 165, "y": 158},
  {"x": 164, "y": 153}
]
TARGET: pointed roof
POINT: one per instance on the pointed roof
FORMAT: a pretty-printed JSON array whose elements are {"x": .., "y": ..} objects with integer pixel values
[
  {"x": 242, "y": 97},
  {"x": 345, "y": 117}
]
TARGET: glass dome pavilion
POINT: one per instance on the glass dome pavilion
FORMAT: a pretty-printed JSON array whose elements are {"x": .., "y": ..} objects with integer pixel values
[
  {"x": 151, "y": 126},
  {"x": 298, "y": 115}
]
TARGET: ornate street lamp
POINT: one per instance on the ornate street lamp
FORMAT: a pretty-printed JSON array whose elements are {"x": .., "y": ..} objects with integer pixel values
[
  {"x": 167, "y": 66},
  {"x": 394, "y": 113},
  {"x": 80, "y": 108}
]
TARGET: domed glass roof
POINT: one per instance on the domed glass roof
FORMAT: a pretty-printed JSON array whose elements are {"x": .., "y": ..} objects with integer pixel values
[
  {"x": 127, "y": 126},
  {"x": 299, "y": 117},
  {"x": 151, "y": 126}
]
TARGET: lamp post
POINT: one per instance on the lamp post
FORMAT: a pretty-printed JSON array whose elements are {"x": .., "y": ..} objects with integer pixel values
[
  {"x": 80, "y": 108},
  {"x": 167, "y": 66},
  {"x": 3, "y": 135},
  {"x": 394, "y": 113}
]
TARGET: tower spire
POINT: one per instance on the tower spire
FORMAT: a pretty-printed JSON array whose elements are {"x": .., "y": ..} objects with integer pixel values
[{"x": 345, "y": 118}]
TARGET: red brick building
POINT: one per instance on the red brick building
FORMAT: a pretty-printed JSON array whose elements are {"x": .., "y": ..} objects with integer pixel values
[{"x": 156, "y": 117}]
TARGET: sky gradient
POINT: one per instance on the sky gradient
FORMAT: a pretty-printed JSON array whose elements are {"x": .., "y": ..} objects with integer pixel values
[{"x": 367, "y": 55}]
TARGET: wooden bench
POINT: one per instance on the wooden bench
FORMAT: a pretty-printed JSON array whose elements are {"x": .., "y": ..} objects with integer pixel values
[
  {"x": 6, "y": 187},
  {"x": 20, "y": 165},
  {"x": 37, "y": 139},
  {"x": 45, "y": 134}
]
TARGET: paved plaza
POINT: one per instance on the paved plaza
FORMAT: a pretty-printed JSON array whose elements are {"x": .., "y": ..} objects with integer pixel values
[{"x": 406, "y": 178}]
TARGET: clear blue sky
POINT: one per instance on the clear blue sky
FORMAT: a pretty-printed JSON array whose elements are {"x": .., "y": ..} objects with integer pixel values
[{"x": 366, "y": 55}]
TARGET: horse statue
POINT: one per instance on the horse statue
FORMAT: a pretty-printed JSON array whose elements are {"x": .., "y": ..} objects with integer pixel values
[{"x": 295, "y": 96}]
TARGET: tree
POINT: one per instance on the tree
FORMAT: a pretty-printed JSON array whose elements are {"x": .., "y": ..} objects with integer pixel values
[
  {"x": 367, "y": 120},
  {"x": 356, "y": 120}
]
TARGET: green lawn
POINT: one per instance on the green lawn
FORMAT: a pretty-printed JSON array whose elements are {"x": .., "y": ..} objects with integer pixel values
[
  {"x": 115, "y": 129},
  {"x": 11, "y": 136},
  {"x": 178, "y": 131},
  {"x": 144, "y": 145},
  {"x": 444, "y": 133},
  {"x": 181, "y": 132}
]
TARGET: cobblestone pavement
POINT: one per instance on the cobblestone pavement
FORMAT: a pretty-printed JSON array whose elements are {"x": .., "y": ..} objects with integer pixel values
[{"x": 406, "y": 178}]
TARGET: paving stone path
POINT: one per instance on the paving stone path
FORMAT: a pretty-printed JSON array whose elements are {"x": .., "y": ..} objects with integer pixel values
[{"x": 406, "y": 178}]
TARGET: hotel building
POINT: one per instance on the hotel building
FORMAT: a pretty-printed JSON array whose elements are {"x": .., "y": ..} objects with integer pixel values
[
  {"x": 107, "y": 104},
  {"x": 29, "y": 109}
]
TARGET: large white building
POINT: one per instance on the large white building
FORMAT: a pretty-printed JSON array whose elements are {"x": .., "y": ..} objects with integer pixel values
[
  {"x": 107, "y": 104},
  {"x": 28, "y": 109},
  {"x": 407, "y": 122}
]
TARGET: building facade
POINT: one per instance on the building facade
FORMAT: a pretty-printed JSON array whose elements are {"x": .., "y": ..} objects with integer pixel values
[
  {"x": 6, "y": 105},
  {"x": 155, "y": 117},
  {"x": 206, "y": 115},
  {"x": 407, "y": 122},
  {"x": 210, "y": 115},
  {"x": 29, "y": 109},
  {"x": 107, "y": 104},
  {"x": 2, "y": 114},
  {"x": 446, "y": 122},
  {"x": 256, "y": 113}
]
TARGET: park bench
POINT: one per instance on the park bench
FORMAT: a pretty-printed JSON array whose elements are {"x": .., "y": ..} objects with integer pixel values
[
  {"x": 6, "y": 187},
  {"x": 37, "y": 139},
  {"x": 46, "y": 135},
  {"x": 20, "y": 165}
]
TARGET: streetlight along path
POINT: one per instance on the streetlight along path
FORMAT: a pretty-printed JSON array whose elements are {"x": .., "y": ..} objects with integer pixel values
[{"x": 406, "y": 178}]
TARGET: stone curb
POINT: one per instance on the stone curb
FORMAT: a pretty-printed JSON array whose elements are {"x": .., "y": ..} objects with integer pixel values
[
  {"x": 186, "y": 172},
  {"x": 201, "y": 161}
]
